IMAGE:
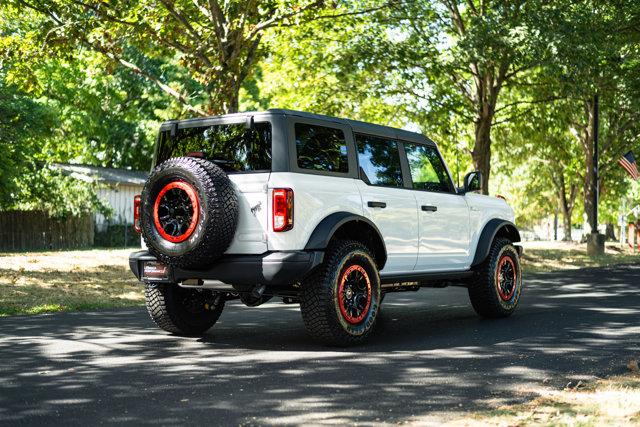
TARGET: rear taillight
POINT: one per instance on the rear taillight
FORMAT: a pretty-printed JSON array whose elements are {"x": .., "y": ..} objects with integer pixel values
[
  {"x": 136, "y": 214},
  {"x": 282, "y": 209}
]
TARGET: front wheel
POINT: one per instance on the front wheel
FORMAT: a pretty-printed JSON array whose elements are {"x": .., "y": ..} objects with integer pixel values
[
  {"x": 495, "y": 291},
  {"x": 183, "y": 311},
  {"x": 340, "y": 301}
]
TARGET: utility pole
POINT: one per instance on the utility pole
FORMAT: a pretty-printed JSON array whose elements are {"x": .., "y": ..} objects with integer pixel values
[{"x": 596, "y": 127}]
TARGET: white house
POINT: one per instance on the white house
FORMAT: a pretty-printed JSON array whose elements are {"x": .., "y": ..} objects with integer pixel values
[{"x": 116, "y": 187}]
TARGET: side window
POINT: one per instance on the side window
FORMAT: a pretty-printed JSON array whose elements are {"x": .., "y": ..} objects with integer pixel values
[
  {"x": 321, "y": 148},
  {"x": 379, "y": 161},
  {"x": 427, "y": 169}
]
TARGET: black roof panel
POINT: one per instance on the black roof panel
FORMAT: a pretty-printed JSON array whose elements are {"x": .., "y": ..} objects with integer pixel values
[{"x": 356, "y": 125}]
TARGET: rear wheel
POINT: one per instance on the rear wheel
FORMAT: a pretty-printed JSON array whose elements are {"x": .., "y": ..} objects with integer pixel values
[
  {"x": 340, "y": 301},
  {"x": 495, "y": 291},
  {"x": 183, "y": 311}
]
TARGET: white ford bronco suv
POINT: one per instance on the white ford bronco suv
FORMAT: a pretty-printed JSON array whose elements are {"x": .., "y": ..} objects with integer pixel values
[{"x": 325, "y": 212}]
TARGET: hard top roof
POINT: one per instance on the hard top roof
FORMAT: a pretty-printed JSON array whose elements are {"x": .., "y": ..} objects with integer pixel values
[{"x": 356, "y": 125}]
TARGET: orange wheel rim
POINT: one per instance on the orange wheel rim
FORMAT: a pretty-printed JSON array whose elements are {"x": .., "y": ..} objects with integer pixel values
[
  {"x": 354, "y": 294},
  {"x": 176, "y": 211},
  {"x": 506, "y": 278}
]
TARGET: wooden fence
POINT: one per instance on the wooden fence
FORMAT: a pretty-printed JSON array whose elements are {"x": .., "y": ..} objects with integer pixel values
[{"x": 33, "y": 230}]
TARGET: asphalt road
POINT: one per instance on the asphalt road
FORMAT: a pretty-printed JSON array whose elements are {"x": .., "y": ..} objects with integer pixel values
[{"x": 431, "y": 357}]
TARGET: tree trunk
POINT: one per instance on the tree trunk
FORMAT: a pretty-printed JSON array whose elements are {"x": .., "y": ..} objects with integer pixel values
[
  {"x": 589, "y": 175},
  {"x": 233, "y": 104},
  {"x": 224, "y": 94},
  {"x": 566, "y": 226},
  {"x": 567, "y": 201},
  {"x": 610, "y": 232},
  {"x": 567, "y": 211},
  {"x": 482, "y": 149}
]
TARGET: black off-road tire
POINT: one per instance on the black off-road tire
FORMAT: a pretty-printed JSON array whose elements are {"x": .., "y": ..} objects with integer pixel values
[
  {"x": 167, "y": 308},
  {"x": 484, "y": 290},
  {"x": 319, "y": 303},
  {"x": 217, "y": 208}
]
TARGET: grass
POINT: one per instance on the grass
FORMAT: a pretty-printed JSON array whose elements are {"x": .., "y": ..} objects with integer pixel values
[
  {"x": 552, "y": 256},
  {"x": 613, "y": 401},
  {"x": 45, "y": 282}
]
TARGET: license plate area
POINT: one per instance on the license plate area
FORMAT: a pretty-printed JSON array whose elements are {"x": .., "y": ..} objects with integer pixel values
[{"x": 154, "y": 271}]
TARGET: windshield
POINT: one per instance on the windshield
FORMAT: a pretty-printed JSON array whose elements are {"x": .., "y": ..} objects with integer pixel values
[{"x": 233, "y": 147}]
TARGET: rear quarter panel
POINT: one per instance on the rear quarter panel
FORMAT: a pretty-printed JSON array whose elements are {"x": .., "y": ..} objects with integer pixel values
[{"x": 315, "y": 198}]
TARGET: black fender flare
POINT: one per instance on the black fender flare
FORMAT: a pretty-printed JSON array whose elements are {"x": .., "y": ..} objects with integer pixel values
[
  {"x": 489, "y": 233},
  {"x": 325, "y": 230}
]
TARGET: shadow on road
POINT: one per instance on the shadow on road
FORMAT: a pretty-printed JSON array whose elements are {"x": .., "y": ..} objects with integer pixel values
[{"x": 430, "y": 354}]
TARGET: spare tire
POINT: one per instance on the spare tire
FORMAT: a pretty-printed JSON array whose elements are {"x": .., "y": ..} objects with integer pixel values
[{"x": 188, "y": 212}]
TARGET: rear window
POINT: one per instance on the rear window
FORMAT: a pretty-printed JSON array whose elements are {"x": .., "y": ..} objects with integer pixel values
[
  {"x": 233, "y": 147},
  {"x": 321, "y": 148}
]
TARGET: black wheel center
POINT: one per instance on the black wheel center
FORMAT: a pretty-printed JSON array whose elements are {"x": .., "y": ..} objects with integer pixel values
[
  {"x": 355, "y": 295},
  {"x": 175, "y": 212},
  {"x": 506, "y": 279}
]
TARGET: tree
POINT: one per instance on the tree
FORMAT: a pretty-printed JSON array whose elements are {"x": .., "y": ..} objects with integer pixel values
[
  {"x": 597, "y": 54},
  {"x": 26, "y": 182},
  {"x": 217, "y": 43},
  {"x": 101, "y": 115},
  {"x": 330, "y": 67},
  {"x": 24, "y": 124},
  {"x": 460, "y": 56},
  {"x": 61, "y": 110},
  {"x": 542, "y": 142}
]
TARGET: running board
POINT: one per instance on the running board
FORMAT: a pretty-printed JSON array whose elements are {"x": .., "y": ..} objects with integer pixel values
[{"x": 426, "y": 278}]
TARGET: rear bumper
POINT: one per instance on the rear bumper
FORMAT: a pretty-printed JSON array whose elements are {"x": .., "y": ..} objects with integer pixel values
[{"x": 272, "y": 268}]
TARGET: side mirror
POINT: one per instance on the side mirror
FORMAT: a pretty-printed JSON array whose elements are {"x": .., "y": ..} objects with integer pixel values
[{"x": 473, "y": 182}]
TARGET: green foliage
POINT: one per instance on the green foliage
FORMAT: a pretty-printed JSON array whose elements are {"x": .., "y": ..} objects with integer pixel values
[
  {"x": 215, "y": 45},
  {"x": 24, "y": 124},
  {"x": 25, "y": 128},
  {"x": 329, "y": 67},
  {"x": 105, "y": 120},
  {"x": 64, "y": 109},
  {"x": 504, "y": 87},
  {"x": 59, "y": 195},
  {"x": 446, "y": 67}
]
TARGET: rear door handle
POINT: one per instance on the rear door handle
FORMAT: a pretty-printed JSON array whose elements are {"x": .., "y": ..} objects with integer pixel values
[
  {"x": 428, "y": 208},
  {"x": 377, "y": 204}
]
